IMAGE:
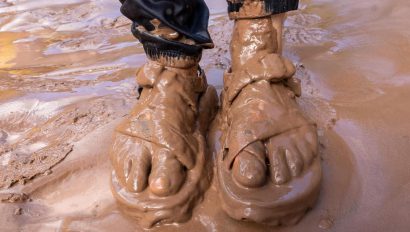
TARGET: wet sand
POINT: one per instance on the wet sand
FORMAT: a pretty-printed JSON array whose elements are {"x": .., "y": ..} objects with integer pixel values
[{"x": 67, "y": 78}]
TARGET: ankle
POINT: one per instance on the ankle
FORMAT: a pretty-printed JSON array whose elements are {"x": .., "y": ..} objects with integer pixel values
[
  {"x": 182, "y": 63},
  {"x": 252, "y": 38}
]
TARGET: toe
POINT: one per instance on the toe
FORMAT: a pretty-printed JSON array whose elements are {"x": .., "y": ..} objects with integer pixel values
[
  {"x": 307, "y": 144},
  {"x": 294, "y": 160},
  {"x": 290, "y": 153},
  {"x": 136, "y": 169},
  {"x": 167, "y": 174},
  {"x": 310, "y": 135},
  {"x": 118, "y": 155},
  {"x": 248, "y": 170},
  {"x": 306, "y": 152},
  {"x": 311, "y": 139},
  {"x": 278, "y": 167}
]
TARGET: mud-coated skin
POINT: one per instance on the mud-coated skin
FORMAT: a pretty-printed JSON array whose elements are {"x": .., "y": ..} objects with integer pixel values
[
  {"x": 159, "y": 152},
  {"x": 268, "y": 170}
]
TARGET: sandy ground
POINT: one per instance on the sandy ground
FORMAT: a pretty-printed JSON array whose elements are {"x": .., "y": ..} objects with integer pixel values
[{"x": 67, "y": 78}]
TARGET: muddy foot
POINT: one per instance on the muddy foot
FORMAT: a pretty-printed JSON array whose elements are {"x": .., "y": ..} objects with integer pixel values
[
  {"x": 268, "y": 171},
  {"x": 159, "y": 152},
  {"x": 137, "y": 168},
  {"x": 283, "y": 156},
  {"x": 268, "y": 138},
  {"x": 291, "y": 152}
]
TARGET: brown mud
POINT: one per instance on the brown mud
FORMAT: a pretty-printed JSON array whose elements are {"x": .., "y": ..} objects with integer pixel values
[
  {"x": 159, "y": 154},
  {"x": 67, "y": 78},
  {"x": 268, "y": 169}
]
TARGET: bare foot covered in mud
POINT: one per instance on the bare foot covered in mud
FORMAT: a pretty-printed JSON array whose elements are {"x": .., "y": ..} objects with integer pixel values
[
  {"x": 138, "y": 169},
  {"x": 160, "y": 168},
  {"x": 268, "y": 171},
  {"x": 288, "y": 152}
]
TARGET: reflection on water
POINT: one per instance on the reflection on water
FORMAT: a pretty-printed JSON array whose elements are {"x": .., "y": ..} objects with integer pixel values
[{"x": 7, "y": 50}]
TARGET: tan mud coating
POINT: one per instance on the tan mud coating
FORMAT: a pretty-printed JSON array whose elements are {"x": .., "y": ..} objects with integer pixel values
[
  {"x": 268, "y": 170},
  {"x": 159, "y": 152}
]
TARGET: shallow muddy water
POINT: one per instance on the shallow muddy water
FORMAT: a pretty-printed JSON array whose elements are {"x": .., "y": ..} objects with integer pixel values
[{"x": 67, "y": 78}]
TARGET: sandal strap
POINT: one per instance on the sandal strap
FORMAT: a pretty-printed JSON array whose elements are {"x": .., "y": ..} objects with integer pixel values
[
  {"x": 248, "y": 123},
  {"x": 270, "y": 67},
  {"x": 162, "y": 82},
  {"x": 266, "y": 129}
]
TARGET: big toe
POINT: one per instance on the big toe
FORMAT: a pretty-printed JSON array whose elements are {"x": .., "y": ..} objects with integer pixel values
[
  {"x": 166, "y": 177},
  {"x": 136, "y": 180},
  {"x": 132, "y": 166},
  {"x": 249, "y": 171}
]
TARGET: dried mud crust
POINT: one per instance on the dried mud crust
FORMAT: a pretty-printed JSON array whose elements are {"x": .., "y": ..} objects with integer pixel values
[{"x": 163, "y": 138}]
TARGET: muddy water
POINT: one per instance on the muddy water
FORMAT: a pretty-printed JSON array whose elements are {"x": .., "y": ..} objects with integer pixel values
[{"x": 67, "y": 78}]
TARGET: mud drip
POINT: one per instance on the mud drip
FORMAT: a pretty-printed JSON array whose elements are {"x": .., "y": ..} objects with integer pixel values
[{"x": 264, "y": 132}]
